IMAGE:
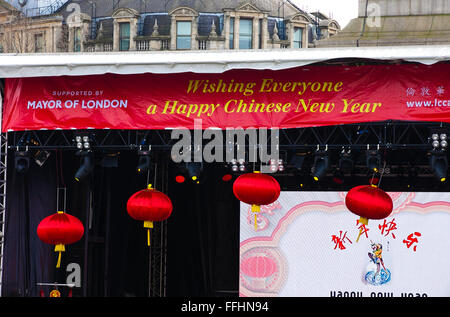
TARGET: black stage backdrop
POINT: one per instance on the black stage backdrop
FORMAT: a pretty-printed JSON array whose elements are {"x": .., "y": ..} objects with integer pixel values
[{"x": 202, "y": 232}]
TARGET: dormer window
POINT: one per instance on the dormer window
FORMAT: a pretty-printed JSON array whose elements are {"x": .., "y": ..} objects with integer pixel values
[
  {"x": 298, "y": 38},
  {"x": 124, "y": 36},
  {"x": 184, "y": 35},
  {"x": 245, "y": 34}
]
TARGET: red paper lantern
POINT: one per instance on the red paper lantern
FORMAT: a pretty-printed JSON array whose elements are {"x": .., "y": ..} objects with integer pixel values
[
  {"x": 256, "y": 189},
  {"x": 369, "y": 202},
  {"x": 60, "y": 229},
  {"x": 149, "y": 205},
  {"x": 259, "y": 266}
]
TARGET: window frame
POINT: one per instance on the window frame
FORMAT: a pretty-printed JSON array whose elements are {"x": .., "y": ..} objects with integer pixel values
[
  {"x": 295, "y": 40},
  {"x": 124, "y": 39},
  {"x": 248, "y": 37},
  {"x": 183, "y": 36}
]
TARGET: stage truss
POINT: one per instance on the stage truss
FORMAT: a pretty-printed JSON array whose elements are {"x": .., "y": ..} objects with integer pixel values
[{"x": 384, "y": 136}]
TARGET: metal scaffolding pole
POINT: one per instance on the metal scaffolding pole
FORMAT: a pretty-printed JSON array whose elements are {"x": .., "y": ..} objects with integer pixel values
[{"x": 3, "y": 169}]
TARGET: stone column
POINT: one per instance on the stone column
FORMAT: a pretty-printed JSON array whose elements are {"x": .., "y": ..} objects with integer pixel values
[
  {"x": 194, "y": 29},
  {"x": 71, "y": 39},
  {"x": 116, "y": 31},
  {"x": 236, "y": 33},
  {"x": 173, "y": 34},
  {"x": 133, "y": 34},
  {"x": 265, "y": 33},
  {"x": 305, "y": 37},
  {"x": 226, "y": 32},
  {"x": 255, "y": 33}
]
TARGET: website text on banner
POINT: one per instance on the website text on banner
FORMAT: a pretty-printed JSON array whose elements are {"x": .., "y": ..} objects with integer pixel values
[{"x": 292, "y": 98}]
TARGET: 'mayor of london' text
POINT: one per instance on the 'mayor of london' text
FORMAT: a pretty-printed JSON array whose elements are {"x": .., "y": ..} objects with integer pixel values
[{"x": 83, "y": 104}]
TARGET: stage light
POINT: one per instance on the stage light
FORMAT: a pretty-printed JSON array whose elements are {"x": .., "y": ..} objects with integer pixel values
[
  {"x": 439, "y": 165},
  {"x": 87, "y": 165},
  {"x": 435, "y": 143},
  {"x": 194, "y": 170},
  {"x": 280, "y": 165},
  {"x": 435, "y": 136},
  {"x": 83, "y": 142},
  {"x": 321, "y": 165},
  {"x": 345, "y": 161},
  {"x": 227, "y": 177},
  {"x": 143, "y": 163},
  {"x": 443, "y": 136},
  {"x": 444, "y": 143},
  {"x": 234, "y": 166},
  {"x": 180, "y": 179},
  {"x": 22, "y": 161},
  {"x": 373, "y": 160},
  {"x": 241, "y": 165}
]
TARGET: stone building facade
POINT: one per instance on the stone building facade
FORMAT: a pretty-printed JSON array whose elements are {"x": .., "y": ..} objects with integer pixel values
[
  {"x": 140, "y": 25},
  {"x": 395, "y": 22}
]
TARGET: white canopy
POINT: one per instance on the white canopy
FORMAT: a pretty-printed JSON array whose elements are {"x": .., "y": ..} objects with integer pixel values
[{"x": 37, "y": 65}]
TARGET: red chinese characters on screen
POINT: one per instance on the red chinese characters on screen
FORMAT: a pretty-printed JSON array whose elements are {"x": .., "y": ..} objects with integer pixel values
[
  {"x": 411, "y": 240},
  {"x": 341, "y": 240},
  {"x": 388, "y": 227}
]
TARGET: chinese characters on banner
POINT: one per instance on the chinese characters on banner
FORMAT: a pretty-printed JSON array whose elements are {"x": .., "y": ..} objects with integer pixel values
[{"x": 386, "y": 229}]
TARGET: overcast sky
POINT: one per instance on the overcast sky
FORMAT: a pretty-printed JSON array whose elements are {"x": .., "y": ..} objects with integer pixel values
[{"x": 341, "y": 10}]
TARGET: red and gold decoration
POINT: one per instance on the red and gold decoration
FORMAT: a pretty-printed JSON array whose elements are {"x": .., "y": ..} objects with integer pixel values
[
  {"x": 368, "y": 202},
  {"x": 256, "y": 189},
  {"x": 60, "y": 229},
  {"x": 149, "y": 205}
]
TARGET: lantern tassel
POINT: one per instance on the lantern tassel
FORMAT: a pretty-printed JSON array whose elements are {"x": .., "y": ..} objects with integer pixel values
[
  {"x": 148, "y": 225},
  {"x": 364, "y": 221},
  {"x": 59, "y": 248},
  {"x": 256, "y": 209}
]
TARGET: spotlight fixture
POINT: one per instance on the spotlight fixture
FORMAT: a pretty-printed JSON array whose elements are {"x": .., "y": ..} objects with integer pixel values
[
  {"x": 273, "y": 165},
  {"x": 180, "y": 179},
  {"x": 194, "y": 170},
  {"x": 241, "y": 165},
  {"x": 234, "y": 166},
  {"x": 22, "y": 161},
  {"x": 373, "y": 160},
  {"x": 346, "y": 161},
  {"x": 86, "y": 167},
  {"x": 280, "y": 165},
  {"x": 439, "y": 140},
  {"x": 320, "y": 165},
  {"x": 439, "y": 164},
  {"x": 83, "y": 142},
  {"x": 227, "y": 177}
]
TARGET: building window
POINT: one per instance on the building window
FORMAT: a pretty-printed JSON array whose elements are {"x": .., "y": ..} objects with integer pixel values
[
  {"x": 124, "y": 36},
  {"x": 231, "y": 33},
  {"x": 245, "y": 34},
  {"x": 298, "y": 35},
  {"x": 77, "y": 40},
  {"x": 39, "y": 43},
  {"x": 183, "y": 35}
]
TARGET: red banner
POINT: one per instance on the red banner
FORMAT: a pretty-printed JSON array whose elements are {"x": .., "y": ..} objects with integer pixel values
[{"x": 292, "y": 98}]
